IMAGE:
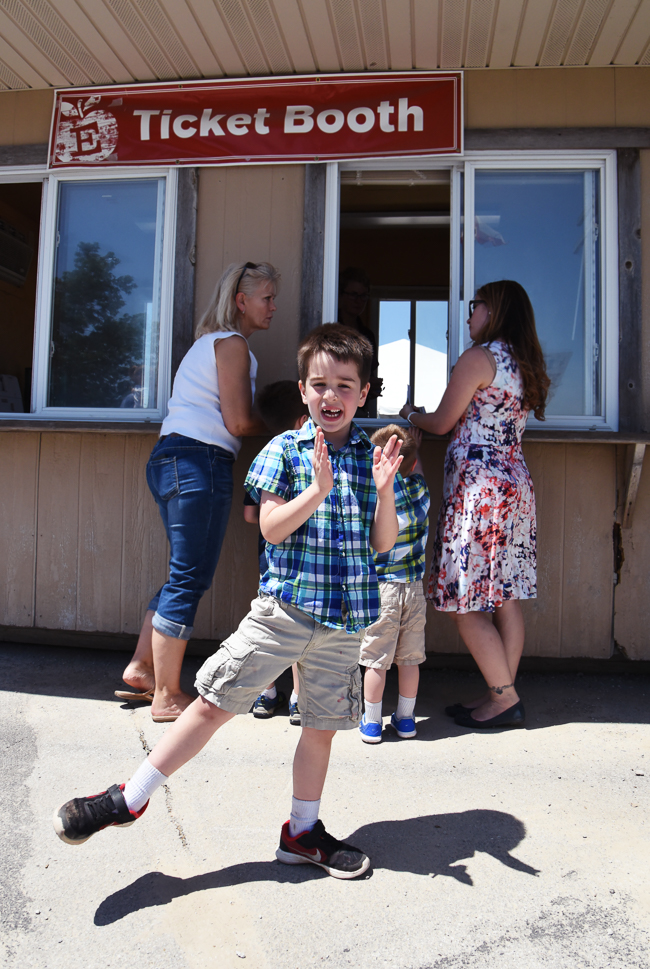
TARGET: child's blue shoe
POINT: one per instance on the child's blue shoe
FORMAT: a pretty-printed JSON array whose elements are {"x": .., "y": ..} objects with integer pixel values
[
  {"x": 294, "y": 714},
  {"x": 264, "y": 707},
  {"x": 370, "y": 731},
  {"x": 405, "y": 727}
]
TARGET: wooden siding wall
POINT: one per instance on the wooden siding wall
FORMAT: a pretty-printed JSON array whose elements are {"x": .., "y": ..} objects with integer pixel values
[
  {"x": 255, "y": 214},
  {"x": 84, "y": 549},
  {"x": 572, "y": 615},
  {"x": 511, "y": 98},
  {"x": 632, "y": 608}
]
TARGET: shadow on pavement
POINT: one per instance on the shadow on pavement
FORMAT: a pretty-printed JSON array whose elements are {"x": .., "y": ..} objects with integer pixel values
[
  {"x": 550, "y": 698},
  {"x": 430, "y": 845},
  {"x": 82, "y": 674}
]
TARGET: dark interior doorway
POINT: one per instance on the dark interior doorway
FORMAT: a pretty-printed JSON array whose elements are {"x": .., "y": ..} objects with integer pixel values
[
  {"x": 395, "y": 230},
  {"x": 20, "y": 211}
]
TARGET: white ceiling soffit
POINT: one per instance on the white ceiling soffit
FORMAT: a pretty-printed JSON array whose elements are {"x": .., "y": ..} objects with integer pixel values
[{"x": 46, "y": 43}]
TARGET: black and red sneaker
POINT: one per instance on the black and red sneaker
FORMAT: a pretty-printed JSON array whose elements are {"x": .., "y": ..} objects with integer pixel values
[
  {"x": 79, "y": 819},
  {"x": 317, "y": 847}
]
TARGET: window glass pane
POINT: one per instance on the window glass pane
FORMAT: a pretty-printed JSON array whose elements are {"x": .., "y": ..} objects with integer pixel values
[
  {"x": 542, "y": 230},
  {"x": 430, "y": 353},
  {"x": 394, "y": 354},
  {"x": 106, "y": 306}
]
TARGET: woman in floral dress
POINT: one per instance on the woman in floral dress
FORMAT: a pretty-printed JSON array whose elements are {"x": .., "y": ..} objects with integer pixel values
[{"x": 484, "y": 552}]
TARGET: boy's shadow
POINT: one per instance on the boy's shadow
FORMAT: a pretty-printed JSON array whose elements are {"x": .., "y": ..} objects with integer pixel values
[
  {"x": 428, "y": 845},
  {"x": 433, "y": 844}
]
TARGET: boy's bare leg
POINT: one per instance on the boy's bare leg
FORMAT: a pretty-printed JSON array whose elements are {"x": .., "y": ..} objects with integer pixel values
[
  {"x": 374, "y": 681},
  {"x": 409, "y": 680},
  {"x": 482, "y": 639},
  {"x": 188, "y": 735},
  {"x": 139, "y": 673},
  {"x": 168, "y": 653},
  {"x": 310, "y": 763},
  {"x": 296, "y": 680}
]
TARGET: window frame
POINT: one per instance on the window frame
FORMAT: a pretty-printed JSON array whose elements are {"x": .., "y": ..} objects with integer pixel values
[
  {"x": 462, "y": 207},
  {"x": 605, "y": 163},
  {"x": 39, "y": 409}
]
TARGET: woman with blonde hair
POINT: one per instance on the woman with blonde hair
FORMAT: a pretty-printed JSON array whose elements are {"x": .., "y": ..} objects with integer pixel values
[
  {"x": 190, "y": 474},
  {"x": 484, "y": 558}
]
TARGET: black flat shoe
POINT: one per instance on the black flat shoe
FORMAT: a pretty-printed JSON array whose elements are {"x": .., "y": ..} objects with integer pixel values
[
  {"x": 456, "y": 710},
  {"x": 514, "y": 716}
]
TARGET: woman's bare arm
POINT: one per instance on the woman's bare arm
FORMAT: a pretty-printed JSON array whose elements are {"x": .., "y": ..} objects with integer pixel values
[
  {"x": 475, "y": 369},
  {"x": 233, "y": 370}
]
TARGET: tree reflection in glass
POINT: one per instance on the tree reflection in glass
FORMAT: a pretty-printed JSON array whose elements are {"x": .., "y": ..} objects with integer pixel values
[
  {"x": 96, "y": 344},
  {"x": 105, "y": 312}
]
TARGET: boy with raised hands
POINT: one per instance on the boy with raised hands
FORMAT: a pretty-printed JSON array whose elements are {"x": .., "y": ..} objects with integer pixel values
[{"x": 326, "y": 502}]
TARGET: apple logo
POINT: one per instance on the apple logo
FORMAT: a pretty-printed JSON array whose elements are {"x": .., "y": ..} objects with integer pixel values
[{"x": 85, "y": 133}]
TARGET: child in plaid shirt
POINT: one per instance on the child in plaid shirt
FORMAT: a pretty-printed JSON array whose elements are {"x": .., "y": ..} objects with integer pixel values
[
  {"x": 398, "y": 635},
  {"x": 326, "y": 496}
]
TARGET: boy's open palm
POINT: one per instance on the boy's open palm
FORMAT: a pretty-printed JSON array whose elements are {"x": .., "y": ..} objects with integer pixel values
[
  {"x": 323, "y": 475},
  {"x": 385, "y": 464}
]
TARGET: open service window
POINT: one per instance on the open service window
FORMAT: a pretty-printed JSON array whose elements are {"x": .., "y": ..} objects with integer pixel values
[
  {"x": 546, "y": 220},
  {"x": 98, "y": 323}
]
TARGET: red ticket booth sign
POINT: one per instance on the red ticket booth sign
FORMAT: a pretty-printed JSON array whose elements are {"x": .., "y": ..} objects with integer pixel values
[{"x": 258, "y": 120}]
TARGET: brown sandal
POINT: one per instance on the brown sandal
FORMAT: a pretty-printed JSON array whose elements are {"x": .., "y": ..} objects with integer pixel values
[{"x": 131, "y": 697}]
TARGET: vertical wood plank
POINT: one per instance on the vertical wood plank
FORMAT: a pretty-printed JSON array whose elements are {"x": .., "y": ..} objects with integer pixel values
[
  {"x": 590, "y": 509},
  {"x": 19, "y": 457},
  {"x": 255, "y": 213},
  {"x": 58, "y": 531},
  {"x": 632, "y": 603},
  {"x": 100, "y": 531},
  {"x": 184, "y": 265},
  {"x": 313, "y": 242},
  {"x": 630, "y": 389},
  {"x": 546, "y": 463},
  {"x": 145, "y": 551}
]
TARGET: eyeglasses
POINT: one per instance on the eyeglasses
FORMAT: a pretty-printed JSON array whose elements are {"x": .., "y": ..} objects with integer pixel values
[
  {"x": 352, "y": 295},
  {"x": 249, "y": 265},
  {"x": 473, "y": 303}
]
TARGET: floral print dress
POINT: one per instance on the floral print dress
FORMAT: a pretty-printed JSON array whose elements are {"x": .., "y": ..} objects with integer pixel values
[{"x": 485, "y": 546}]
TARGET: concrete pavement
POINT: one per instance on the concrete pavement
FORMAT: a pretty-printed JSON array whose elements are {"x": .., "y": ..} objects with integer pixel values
[{"x": 526, "y": 848}]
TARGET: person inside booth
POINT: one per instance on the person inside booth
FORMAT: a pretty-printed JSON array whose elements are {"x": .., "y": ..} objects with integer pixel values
[{"x": 354, "y": 290}]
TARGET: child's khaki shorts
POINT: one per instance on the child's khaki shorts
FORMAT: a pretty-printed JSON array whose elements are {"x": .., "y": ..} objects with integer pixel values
[
  {"x": 398, "y": 635},
  {"x": 269, "y": 639}
]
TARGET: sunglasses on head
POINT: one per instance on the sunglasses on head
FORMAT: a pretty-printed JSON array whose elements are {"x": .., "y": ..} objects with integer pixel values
[{"x": 248, "y": 265}]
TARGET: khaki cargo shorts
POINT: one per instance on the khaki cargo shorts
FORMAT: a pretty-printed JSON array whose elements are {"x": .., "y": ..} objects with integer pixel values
[
  {"x": 269, "y": 639},
  {"x": 398, "y": 635}
]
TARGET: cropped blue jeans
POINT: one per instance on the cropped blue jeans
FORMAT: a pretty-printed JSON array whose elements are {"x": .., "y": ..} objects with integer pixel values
[{"x": 192, "y": 485}]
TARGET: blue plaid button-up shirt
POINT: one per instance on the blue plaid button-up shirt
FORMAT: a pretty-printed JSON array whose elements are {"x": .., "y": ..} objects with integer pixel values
[
  {"x": 325, "y": 568},
  {"x": 405, "y": 561}
]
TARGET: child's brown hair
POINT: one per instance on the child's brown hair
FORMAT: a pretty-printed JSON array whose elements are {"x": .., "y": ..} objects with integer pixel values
[
  {"x": 281, "y": 405},
  {"x": 341, "y": 342},
  {"x": 409, "y": 448}
]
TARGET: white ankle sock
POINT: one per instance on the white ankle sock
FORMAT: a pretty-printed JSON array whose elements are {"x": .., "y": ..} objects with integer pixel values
[
  {"x": 294, "y": 697},
  {"x": 372, "y": 711},
  {"x": 304, "y": 815},
  {"x": 142, "y": 785},
  {"x": 405, "y": 707},
  {"x": 270, "y": 693}
]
